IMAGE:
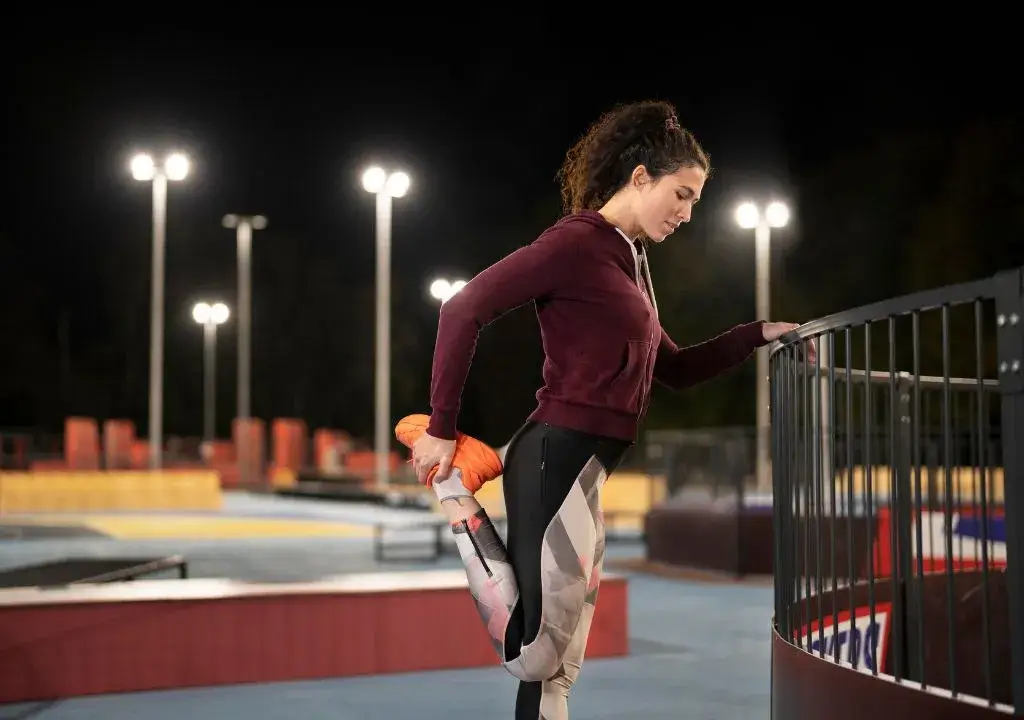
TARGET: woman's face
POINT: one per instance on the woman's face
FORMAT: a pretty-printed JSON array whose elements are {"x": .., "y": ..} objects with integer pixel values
[{"x": 664, "y": 204}]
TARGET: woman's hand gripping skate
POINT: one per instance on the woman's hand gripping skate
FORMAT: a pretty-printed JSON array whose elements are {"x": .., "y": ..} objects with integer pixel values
[{"x": 429, "y": 452}]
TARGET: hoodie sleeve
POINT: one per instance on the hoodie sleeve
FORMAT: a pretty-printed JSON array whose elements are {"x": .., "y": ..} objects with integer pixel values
[
  {"x": 528, "y": 273},
  {"x": 683, "y": 367}
]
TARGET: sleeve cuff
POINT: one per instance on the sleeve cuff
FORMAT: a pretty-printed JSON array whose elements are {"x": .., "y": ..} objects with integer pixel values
[
  {"x": 442, "y": 424},
  {"x": 752, "y": 335}
]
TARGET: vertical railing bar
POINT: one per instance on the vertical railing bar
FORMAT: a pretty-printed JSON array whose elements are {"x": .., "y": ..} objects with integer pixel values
[
  {"x": 776, "y": 428},
  {"x": 816, "y": 480},
  {"x": 982, "y": 492},
  {"x": 947, "y": 497},
  {"x": 869, "y": 500},
  {"x": 798, "y": 569},
  {"x": 808, "y": 489},
  {"x": 918, "y": 423},
  {"x": 851, "y": 552},
  {"x": 775, "y": 425},
  {"x": 832, "y": 483},
  {"x": 957, "y": 467},
  {"x": 899, "y": 631}
]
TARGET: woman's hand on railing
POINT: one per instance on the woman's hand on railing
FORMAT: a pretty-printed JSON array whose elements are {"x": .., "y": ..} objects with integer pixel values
[{"x": 772, "y": 331}]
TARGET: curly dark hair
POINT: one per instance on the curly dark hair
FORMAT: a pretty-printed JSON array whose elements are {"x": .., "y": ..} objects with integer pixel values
[{"x": 643, "y": 133}]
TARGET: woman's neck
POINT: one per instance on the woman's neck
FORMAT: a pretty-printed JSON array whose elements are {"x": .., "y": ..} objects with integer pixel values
[{"x": 618, "y": 215}]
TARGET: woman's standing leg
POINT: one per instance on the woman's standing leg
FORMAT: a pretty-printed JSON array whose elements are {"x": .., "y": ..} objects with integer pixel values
[
  {"x": 552, "y": 483},
  {"x": 555, "y": 690}
]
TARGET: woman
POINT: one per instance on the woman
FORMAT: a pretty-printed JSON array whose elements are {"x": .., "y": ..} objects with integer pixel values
[{"x": 632, "y": 179}]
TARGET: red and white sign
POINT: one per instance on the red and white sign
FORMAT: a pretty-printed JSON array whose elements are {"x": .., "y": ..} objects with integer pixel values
[
  {"x": 970, "y": 532},
  {"x": 863, "y": 641}
]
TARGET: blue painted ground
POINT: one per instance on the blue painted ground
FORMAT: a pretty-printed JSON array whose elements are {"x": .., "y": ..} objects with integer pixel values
[{"x": 699, "y": 650}]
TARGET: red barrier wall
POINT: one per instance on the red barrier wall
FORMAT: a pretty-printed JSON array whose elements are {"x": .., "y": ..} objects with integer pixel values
[{"x": 162, "y": 634}]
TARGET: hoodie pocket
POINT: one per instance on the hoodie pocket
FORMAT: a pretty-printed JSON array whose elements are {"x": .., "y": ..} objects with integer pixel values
[{"x": 627, "y": 391}]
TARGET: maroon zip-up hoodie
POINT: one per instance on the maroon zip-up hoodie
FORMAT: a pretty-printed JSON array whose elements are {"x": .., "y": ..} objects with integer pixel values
[{"x": 602, "y": 340}]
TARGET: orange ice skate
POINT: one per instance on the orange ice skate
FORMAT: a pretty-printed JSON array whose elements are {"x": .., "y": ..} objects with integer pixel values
[{"x": 476, "y": 461}]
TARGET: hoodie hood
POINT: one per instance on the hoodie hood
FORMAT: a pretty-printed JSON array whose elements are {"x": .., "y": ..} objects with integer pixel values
[
  {"x": 633, "y": 261},
  {"x": 592, "y": 218}
]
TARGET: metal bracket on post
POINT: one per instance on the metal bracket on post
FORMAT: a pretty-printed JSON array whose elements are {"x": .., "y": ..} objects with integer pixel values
[{"x": 1010, "y": 342}]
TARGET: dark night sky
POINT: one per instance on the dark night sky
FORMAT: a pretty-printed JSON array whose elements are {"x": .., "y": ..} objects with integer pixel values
[{"x": 285, "y": 133}]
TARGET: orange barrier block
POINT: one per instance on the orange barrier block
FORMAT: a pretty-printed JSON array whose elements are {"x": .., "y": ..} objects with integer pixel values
[
  {"x": 250, "y": 450},
  {"x": 289, "y": 437},
  {"x": 81, "y": 443},
  {"x": 118, "y": 436}
]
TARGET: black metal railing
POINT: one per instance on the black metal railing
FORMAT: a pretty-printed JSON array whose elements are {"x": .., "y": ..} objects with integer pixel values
[{"x": 898, "y": 489}]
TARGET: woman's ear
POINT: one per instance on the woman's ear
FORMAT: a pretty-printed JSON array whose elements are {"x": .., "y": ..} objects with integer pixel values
[{"x": 639, "y": 177}]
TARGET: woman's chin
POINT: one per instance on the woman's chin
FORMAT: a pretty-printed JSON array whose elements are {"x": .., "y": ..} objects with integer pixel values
[{"x": 660, "y": 233}]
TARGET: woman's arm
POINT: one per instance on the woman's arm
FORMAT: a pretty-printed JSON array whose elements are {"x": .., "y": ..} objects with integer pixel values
[
  {"x": 680, "y": 368},
  {"x": 528, "y": 273}
]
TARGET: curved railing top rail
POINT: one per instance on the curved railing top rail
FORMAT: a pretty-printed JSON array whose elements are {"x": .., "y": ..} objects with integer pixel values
[{"x": 950, "y": 295}]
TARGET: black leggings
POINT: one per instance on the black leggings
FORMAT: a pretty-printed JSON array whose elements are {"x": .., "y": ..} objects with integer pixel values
[{"x": 542, "y": 466}]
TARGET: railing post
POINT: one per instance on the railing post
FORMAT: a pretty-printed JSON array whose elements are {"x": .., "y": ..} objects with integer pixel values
[
  {"x": 1010, "y": 334},
  {"x": 902, "y": 518},
  {"x": 778, "y": 516}
]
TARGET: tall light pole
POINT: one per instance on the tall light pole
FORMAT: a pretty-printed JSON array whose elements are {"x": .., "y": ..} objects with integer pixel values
[
  {"x": 749, "y": 216},
  {"x": 385, "y": 187},
  {"x": 243, "y": 225},
  {"x": 210, "y": 316},
  {"x": 174, "y": 168},
  {"x": 442, "y": 289}
]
